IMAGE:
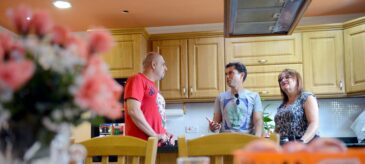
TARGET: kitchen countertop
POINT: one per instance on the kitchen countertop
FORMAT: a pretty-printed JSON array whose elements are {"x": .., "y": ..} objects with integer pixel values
[
  {"x": 350, "y": 142},
  {"x": 168, "y": 148}
]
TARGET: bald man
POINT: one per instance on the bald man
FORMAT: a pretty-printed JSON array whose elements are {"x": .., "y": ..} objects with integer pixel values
[{"x": 142, "y": 118}]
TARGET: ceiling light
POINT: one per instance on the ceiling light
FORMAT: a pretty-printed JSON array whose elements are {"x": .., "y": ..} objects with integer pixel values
[
  {"x": 125, "y": 11},
  {"x": 62, "y": 4}
]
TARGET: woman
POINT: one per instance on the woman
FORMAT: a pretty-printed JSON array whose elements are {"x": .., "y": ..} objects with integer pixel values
[{"x": 297, "y": 118}]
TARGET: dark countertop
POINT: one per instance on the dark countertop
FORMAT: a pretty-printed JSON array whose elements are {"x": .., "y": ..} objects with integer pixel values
[
  {"x": 354, "y": 145},
  {"x": 351, "y": 142},
  {"x": 168, "y": 148}
]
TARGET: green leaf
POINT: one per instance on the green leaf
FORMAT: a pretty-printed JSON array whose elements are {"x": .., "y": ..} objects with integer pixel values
[{"x": 267, "y": 119}]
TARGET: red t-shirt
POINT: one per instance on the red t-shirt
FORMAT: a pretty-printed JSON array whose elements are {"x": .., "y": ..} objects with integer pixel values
[{"x": 139, "y": 87}]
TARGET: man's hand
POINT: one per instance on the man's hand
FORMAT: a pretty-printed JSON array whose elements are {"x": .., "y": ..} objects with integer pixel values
[
  {"x": 162, "y": 138},
  {"x": 171, "y": 138},
  {"x": 214, "y": 126}
]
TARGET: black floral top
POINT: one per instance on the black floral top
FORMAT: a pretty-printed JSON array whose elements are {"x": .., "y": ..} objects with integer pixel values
[{"x": 291, "y": 120}]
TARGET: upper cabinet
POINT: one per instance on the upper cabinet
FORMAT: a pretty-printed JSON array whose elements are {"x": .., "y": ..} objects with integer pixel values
[
  {"x": 324, "y": 62},
  {"x": 195, "y": 66},
  {"x": 125, "y": 58},
  {"x": 265, "y": 50},
  {"x": 175, "y": 83},
  {"x": 206, "y": 67},
  {"x": 355, "y": 55},
  {"x": 264, "y": 79},
  {"x": 265, "y": 58}
]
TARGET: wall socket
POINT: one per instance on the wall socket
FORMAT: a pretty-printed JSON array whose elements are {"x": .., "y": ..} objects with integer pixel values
[{"x": 191, "y": 129}]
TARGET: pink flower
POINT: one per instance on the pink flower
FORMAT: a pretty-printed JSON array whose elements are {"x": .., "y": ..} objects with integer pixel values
[
  {"x": 10, "y": 49},
  {"x": 60, "y": 35},
  {"x": 100, "y": 41},
  {"x": 6, "y": 42},
  {"x": 79, "y": 44},
  {"x": 99, "y": 92},
  {"x": 41, "y": 23},
  {"x": 15, "y": 74},
  {"x": 2, "y": 54},
  {"x": 20, "y": 18}
]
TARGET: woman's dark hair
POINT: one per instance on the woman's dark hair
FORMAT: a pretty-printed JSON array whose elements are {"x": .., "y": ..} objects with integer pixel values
[
  {"x": 239, "y": 67},
  {"x": 294, "y": 74}
]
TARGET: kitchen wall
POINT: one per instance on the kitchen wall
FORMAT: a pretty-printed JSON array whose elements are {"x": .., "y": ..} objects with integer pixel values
[{"x": 336, "y": 117}]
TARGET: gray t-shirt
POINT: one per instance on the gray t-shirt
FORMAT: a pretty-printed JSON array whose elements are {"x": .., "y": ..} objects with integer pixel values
[{"x": 238, "y": 118}]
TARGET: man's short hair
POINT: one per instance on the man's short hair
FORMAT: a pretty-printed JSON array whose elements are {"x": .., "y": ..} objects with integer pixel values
[
  {"x": 239, "y": 67},
  {"x": 149, "y": 58}
]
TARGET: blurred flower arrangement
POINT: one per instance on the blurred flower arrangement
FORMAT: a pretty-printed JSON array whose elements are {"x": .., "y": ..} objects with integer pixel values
[{"x": 49, "y": 76}]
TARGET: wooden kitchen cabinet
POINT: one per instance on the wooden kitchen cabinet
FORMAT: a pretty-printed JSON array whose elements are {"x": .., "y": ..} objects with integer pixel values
[
  {"x": 323, "y": 57},
  {"x": 265, "y": 58},
  {"x": 195, "y": 67},
  {"x": 264, "y": 79},
  {"x": 125, "y": 58},
  {"x": 174, "y": 84},
  {"x": 355, "y": 55},
  {"x": 265, "y": 50}
]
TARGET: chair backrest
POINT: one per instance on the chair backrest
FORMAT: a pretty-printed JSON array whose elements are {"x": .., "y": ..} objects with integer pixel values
[
  {"x": 125, "y": 147},
  {"x": 216, "y": 145}
]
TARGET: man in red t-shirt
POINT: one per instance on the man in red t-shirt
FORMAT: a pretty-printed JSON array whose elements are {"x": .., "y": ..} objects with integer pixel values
[{"x": 142, "y": 118}]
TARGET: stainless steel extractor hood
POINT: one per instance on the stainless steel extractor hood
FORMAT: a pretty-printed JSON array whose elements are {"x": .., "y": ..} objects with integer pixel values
[{"x": 262, "y": 17}]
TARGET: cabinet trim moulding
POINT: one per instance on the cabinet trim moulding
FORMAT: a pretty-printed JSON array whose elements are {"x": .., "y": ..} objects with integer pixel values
[
  {"x": 322, "y": 27},
  {"x": 186, "y": 35},
  {"x": 121, "y": 31},
  {"x": 191, "y": 100},
  {"x": 354, "y": 22}
]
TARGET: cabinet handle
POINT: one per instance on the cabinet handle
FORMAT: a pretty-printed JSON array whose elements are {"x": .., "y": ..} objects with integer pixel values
[
  {"x": 341, "y": 84},
  {"x": 191, "y": 90},
  {"x": 264, "y": 92},
  {"x": 262, "y": 61}
]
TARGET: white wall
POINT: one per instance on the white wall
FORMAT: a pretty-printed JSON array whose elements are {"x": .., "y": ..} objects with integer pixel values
[{"x": 336, "y": 117}]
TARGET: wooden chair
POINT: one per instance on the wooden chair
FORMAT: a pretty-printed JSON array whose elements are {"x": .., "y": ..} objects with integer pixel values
[
  {"x": 124, "y": 147},
  {"x": 216, "y": 146}
]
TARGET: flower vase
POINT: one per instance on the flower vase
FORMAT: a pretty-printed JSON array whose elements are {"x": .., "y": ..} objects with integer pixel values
[
  {"x": 17, "y": 138},
  {"x": 20, "y": 144}
]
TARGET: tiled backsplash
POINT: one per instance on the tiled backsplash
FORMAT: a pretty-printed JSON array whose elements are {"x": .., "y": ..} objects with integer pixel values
[{"x": 336, "y": 117}]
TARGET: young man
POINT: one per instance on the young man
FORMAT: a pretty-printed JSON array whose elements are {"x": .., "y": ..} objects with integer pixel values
[
  {"x": 238, "y": 109},
  {"x": 142, "y": 118}
]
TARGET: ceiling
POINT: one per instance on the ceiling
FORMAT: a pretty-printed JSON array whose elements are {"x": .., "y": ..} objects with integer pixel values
[{"x": 153, "y": 13}]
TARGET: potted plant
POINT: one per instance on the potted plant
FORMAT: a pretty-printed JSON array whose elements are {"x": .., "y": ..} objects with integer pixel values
[{"x": 268, "y": 125}]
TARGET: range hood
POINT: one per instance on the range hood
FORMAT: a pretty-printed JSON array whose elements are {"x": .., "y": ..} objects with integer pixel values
[{"x": 262, "y": 17}]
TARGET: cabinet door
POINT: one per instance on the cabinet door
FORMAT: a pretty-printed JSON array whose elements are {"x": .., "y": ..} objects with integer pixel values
[
  {"x": 174, "y": 84},
  {"x": 265, "y": 50},
  {"x": 355, "y": 58},
  {"x": 206, "y": 67},
  {"x": 264, "y": 79},
  {"x": 323, "y": 62},
  {"x": 124, "y": 59}
]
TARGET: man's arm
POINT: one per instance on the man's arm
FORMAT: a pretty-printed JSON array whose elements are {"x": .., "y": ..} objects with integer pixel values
[
  {"x": 257, "y": 116},
  {"x": 135, "y": 112},
  {"x": 214, "y": 125},
  {"x": 258, "y": 123}
]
